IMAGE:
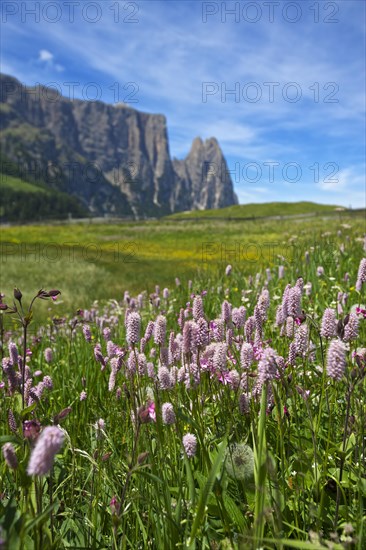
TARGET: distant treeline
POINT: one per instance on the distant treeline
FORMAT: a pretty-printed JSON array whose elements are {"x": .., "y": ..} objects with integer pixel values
[{"x": 21, "y": 206}]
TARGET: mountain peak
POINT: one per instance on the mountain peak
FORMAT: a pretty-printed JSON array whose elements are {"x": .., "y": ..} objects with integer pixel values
[{"x": 119, "y": 156}]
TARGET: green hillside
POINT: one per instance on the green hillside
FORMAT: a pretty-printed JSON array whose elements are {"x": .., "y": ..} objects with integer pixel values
[{"x": 259, "y": 210}]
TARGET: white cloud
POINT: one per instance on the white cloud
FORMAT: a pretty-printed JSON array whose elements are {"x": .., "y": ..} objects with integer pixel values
[
  {"x": 45, "y": 55},
  {"x": 351, "y": 178}
]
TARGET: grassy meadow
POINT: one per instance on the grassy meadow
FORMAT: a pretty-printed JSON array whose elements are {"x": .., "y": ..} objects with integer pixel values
[{"x": 222, "y": 410}]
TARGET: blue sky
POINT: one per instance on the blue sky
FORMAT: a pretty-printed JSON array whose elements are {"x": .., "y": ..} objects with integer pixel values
[{"x": 294, "y": 126}]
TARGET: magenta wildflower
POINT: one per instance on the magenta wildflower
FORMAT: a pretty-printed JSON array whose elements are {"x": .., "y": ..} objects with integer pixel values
[
  {"x": 329, "y": 323},
  {"x": 168, "y": 414},
  {"x": 43, "y": 454},
  {"x": 190, "y": 445},
  {"x": 31, "y": 429},
  {"x": 10, "y": 456},
  {"x": 336, "y": 359},
  {"x": 151, "y": 411}
]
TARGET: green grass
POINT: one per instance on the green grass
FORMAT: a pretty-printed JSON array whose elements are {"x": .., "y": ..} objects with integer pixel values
[
  {"x": 100, "y": 261},
  {"x": 260, "y": 210}
]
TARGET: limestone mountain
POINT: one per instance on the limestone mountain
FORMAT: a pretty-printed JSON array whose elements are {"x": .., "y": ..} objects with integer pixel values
[{"x": 113, "y": 158}]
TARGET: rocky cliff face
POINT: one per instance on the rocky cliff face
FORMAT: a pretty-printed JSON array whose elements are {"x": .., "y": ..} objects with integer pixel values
[{"x": 114, "y": 158}]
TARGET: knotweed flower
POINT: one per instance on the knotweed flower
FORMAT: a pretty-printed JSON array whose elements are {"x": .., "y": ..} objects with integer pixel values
[
  {"x": 361, "y": 275},
  {"x": 14, "y": 355},
  {"x": 190, "y": 337},
  {"x": 166, "y": 293},
  {"x": 190, "y": 445},
  {"x": 246, "y": 356},
  {"x": 48, "y": 354},
  {"x": 267, "y": 366},
  {"x": 249, "y": 328},
  {"x": 87, "y": 333},
  {"x": 133, "y": 328},
  {"x": 217, "y": 329},
  {"x": 107, "y": 334},
  {"x": 238, "y": 316},
  {"x": 177, "y": 281},
  {"x": 292, "y": 354},
  {"x": 290, "y": 327},
  {"x": 83, "y": 396},
  {"x": 336, "y": 359},
  {"x": 301, "y": 339},
  {"x": 47, "y": 382},
  {"x": 285, "y": 296},
  {"x": 244, "y": 403},
  {"x": 10, "y": 456},
  {"x": 168, "y": 414},
  {"x": 329, "y": 323},
  {"x": 11, "y": 421},
  {"x": 281, "y": 271},
  {"x": 263, "y": 304},
  {"x": 202, "y": 332},
  {"x": 160, "y": 330},
  {"x": 351, "y": 328},
  {"x": 280, "y": 318},
  {"x": 197, "y": 308},
  {"x": 234, "y": 379},
  {"x": 226, "y": 311},
  {"x": 239, "y": 461},
  {"x": 43, "y": 454},
  {"x": 258, "y": 320},
  {"x": 165, "y": 381},
  {"x": 320, "y": 271},
  {"x": 294, "y": 301},
  {"x": 228, "y": 270},
  {"x": 219, "y": 359},
  {"x": 268, "y": 274}
]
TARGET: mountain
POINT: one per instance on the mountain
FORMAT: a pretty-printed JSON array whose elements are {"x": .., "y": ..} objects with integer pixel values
[{"x": 113, "y": 158}]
